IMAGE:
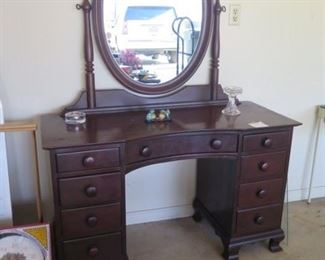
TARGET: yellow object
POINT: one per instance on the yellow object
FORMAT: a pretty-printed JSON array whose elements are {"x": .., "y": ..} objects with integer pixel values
[{"x": 40, "y": 234}]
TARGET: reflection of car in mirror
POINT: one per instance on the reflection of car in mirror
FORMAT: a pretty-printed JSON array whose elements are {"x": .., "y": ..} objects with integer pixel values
[
  {"x": 146, "y": 28},
  {"x": 152, "y": 41}
]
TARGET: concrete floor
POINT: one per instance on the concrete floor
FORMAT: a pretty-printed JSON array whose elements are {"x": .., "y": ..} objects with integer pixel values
[{"x": 183, "y": 239}]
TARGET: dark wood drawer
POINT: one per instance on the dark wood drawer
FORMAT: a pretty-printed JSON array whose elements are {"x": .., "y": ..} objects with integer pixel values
[
  {"x": 106, "y": 247},
  {"x": 91, "y": 221},
  {"x": 179, "y": 145},
  {"x": 262, "y": 166},
  {"x": 260, "y": 193},
  {"x": 87, "y": 160},
  {"x": 266, "y": 142},
  {"x": 258, "y": 220},
  {"x": 90, "y": 190}
]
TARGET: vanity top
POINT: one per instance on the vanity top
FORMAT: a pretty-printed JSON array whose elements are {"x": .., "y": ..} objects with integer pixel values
[{"x": 120, "y": 127}]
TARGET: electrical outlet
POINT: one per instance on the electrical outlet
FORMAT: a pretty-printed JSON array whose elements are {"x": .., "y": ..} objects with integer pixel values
[{"x": 234, "y": 14}]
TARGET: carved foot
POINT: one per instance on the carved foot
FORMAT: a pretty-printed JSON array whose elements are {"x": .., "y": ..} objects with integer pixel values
[
  {"x": 197, "y": 217},
  {"x": 231, "y": 252},
  {"x": 274, "y": 244}
]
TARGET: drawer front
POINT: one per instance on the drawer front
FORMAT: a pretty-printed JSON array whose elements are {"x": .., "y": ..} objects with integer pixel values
[
  {"x": 266, "y": 142},
  {"x": 106, "y": 247},
  {"x": 91, "y": 221},
  {"x": 88, "y": 160},
  {"x": 90, "y": 190},
  {"x": 260, "y": 193},
  {"x": 178, "y": 145},
  {"x": 258, "y": 167},
  {"x": 258, "y": 220}
]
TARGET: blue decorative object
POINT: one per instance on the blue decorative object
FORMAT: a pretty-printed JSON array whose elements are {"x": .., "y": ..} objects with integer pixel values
[{"x": 162, "y": 116}]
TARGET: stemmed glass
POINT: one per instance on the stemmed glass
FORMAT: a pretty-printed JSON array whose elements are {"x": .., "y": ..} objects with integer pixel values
[{"x": 231, "y": 108}]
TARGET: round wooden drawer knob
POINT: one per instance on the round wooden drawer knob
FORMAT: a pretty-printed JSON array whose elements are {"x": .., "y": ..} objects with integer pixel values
[
  {"x": 216, "y": 144},
  {"x": 267, "y": 142},
  {"x": 91, "y": 191},
  {"x": 92, "y": 221},
  {"x": 88, "y": 161},
  {"x": 259, "y": 220},
  {"x": 145, "y": 151},
  {"x": 264, "y": 166},
  {"x": 93, "y": 251},
  {"x": 261, "y": 193}
]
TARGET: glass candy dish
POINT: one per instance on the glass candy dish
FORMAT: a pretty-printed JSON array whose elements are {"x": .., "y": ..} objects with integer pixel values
[
  {"x": 231, "y": 109},
  {"x": 75, "y": 118}
]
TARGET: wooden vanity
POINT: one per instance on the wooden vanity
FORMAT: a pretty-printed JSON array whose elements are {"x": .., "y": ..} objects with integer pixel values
[
  {"x": 241, "y": 174},
  {"x": 241, "y": 169}
]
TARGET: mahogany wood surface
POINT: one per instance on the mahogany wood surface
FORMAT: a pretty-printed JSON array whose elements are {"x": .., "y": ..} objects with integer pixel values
[
  {"x": 120, "y": 127},
  {"x": 88, "y": 221},
  {"x": 262, "y": 166},
  {"x": 90, "y": 190},
  {"x": 105, "y": 247},
  {"x": 93, "y": 159},
  {"x": 89, "y": 54},
  {"x": 258, "y": 220},
  {"x": 265, "y": 142},
  {"x": 260, "y": 193},
  {"x": 241, "y": 173},
  {"x": 178, "y": 145}
]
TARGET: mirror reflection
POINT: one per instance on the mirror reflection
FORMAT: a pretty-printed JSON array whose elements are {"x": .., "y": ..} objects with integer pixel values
[{"x": 152, "y": 41}]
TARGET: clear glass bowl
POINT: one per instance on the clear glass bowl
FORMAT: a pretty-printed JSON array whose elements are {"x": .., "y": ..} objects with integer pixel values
[{"x": 75, "y": 118}]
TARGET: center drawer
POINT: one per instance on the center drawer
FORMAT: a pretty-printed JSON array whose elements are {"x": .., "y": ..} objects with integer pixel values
[{"x": 179, "y": 145}]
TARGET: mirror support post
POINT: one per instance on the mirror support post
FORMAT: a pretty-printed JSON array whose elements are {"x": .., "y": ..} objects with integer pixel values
[
  {"x": 89, "y": 55},
  {"x": 216, "y": 91}
]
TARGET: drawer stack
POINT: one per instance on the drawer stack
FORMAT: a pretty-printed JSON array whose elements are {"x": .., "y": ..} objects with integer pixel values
[
  {"x": 89, "y": 193},
  {"x": 262, "y": 182}
]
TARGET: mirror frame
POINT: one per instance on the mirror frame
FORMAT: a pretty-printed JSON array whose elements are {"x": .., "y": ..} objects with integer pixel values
[{"x": 161, "y": 89}]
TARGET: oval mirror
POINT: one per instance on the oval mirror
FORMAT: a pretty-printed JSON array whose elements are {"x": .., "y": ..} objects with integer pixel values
[{"x": 152, "y": 46}]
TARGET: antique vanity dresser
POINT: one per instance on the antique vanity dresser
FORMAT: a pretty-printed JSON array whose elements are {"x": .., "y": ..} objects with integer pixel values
[{"x": 241, "y": 168}]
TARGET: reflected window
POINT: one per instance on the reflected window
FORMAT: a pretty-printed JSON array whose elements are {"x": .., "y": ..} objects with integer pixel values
[{"x": 152, "y": 43}]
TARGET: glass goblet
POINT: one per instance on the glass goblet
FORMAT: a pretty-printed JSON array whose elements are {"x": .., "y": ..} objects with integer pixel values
[{"x": 231, "y": 108}]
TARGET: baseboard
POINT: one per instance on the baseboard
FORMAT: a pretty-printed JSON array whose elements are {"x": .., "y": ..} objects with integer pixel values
[
  {"x": 302, "y": 194},
  {"x": 151, "y": 215},
  {"x": 183, "y": 211}
]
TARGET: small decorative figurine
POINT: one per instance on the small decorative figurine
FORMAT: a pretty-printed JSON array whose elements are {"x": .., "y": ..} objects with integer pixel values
[{"x": 162, "y": 116}]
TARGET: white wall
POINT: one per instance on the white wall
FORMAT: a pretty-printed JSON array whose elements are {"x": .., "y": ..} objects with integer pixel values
[{"x": 276, "y": 55}]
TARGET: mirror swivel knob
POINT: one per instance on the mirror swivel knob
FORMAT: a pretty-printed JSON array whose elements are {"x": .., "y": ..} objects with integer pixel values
[
  {"x": 93, "y": 251},
  {"x": 261, "y": 193},
  {"x": 259, "y": 220},
  {"x": 92, "y": 221},
  {"x": 145, "y": 151},
  {"x": 88, "y": 161},
  {"x": 91, "y": 191},
  {"x": 216, "y": 144}
]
